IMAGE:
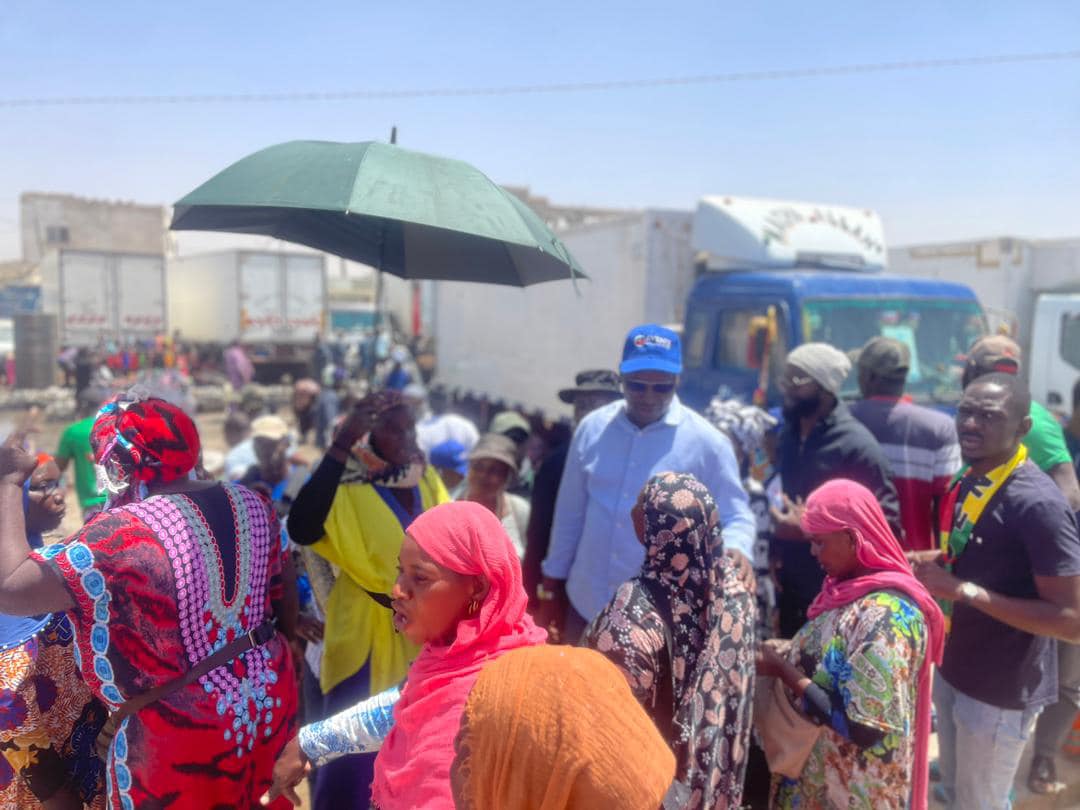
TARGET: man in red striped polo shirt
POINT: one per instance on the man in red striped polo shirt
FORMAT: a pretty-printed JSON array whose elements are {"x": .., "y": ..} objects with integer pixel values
[{"x": 919, "y": 443}]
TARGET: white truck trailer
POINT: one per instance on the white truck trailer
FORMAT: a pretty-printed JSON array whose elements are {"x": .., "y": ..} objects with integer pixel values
[
  {"x": 100, "y": 294},
  {"x": 273, "y": 302},
  {"x": 523, "y": 345},
  {"x": 1030, "y": 287}
]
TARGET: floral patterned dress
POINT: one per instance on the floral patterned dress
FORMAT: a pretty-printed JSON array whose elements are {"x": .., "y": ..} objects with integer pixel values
[
  {"x": 156, "y": 590},
  {"x": 866, "y": 656},
  {"x": 682, "y": 632}
]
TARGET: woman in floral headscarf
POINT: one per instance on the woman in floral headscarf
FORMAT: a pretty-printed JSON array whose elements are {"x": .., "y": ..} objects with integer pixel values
[
  {"x": 353, "y": 511},
  {"x": 682, "y": 632}
]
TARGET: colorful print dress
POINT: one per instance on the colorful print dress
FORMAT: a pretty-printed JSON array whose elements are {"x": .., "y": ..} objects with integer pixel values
[
  {"x": 155, "y": 592},
  {"x": 866, "y": 656},
  {"x": 49, "y": 722}
]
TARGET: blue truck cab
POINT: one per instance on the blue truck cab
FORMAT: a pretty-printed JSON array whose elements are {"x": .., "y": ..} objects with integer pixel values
[{"x": 811, "y": 273}]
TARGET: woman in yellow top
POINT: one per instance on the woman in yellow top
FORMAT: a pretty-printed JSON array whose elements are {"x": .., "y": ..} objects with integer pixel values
[{"x": 353, "y": 511}]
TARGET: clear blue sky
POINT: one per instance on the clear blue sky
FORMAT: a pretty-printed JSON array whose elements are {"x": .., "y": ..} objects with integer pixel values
[{"x": 942, "y": 154}]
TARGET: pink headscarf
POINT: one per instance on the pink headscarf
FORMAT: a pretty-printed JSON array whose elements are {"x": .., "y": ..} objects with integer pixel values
[
  {"x": 413, "y": 766},
  {"x": 843, "y": 505}
]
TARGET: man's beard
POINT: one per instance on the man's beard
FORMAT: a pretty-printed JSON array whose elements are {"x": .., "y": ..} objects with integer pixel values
[{"x": 802, "y": 408}]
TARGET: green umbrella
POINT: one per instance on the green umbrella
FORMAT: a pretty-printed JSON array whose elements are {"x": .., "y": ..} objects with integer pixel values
[{"x": 413, "y": 215}]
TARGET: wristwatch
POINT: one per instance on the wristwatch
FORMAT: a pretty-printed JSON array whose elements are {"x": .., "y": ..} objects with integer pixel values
[{"x": 969, "y": 591}]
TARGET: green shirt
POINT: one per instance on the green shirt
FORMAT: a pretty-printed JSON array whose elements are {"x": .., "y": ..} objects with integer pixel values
[
  {"x": 75, "y": 445},
  {"x": 1046, "y": 440}
]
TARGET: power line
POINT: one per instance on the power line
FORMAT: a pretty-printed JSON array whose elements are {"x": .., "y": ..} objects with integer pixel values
[{"x": 563, "y": 87}]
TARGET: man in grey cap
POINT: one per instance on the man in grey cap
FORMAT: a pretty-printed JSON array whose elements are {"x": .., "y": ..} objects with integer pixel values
[
  {"x": 920, "y": 444},
  {"x": 820, "y": 441}
]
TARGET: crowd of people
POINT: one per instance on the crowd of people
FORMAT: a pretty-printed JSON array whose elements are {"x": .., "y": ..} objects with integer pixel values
[{"x": 657, "y": 609}]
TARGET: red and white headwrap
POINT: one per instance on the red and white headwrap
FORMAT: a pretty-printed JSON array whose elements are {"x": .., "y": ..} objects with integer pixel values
[{"x": 137, "y": 442}]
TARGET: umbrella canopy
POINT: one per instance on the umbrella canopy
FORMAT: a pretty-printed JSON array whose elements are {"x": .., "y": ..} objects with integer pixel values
[{"x": 413, "y": 215}]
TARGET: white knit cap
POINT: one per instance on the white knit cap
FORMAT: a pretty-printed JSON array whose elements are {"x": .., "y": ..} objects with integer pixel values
[{"x": 827, "y": 365}]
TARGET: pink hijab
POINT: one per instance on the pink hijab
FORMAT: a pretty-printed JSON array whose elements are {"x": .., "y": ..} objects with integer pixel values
[
  {"x": 413, "y": 766},
  {"x": 843, "y": 505}
]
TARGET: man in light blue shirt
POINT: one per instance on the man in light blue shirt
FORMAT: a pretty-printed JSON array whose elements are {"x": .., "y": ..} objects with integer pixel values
[{"x": 614, "y": 452}]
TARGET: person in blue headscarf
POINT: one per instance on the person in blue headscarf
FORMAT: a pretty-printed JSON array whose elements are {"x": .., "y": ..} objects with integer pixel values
[{"x": 49, "y": 721}]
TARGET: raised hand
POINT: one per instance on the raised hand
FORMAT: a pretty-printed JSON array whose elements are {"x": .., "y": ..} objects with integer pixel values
[{"x": 16, "y": 462}]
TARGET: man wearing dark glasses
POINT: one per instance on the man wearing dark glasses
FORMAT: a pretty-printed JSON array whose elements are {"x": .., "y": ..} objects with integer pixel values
[{"x": 614, "y": 452}]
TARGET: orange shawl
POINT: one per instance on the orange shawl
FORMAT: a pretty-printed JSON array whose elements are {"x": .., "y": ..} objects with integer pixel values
[{"x": 547, "y": 728}]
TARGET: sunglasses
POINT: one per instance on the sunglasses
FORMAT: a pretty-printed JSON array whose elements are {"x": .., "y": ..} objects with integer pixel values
[
  {"x": 794, "y": 381},
  {"x": 639, "y": 387}
]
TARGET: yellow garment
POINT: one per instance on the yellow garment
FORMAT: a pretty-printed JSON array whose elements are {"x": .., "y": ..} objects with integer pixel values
[
  {"x": 548, "y": 728},
  {"x": 363, "y": 539}
]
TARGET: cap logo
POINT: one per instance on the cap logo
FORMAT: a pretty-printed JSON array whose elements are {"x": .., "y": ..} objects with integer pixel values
[{"x": 641, "y": 341}]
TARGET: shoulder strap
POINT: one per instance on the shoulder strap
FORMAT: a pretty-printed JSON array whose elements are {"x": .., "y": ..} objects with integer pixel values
[{"x": 257, "y": 637}]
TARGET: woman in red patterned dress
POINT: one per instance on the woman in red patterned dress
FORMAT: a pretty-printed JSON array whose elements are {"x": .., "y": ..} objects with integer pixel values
[{"x": 172, "y": 572}]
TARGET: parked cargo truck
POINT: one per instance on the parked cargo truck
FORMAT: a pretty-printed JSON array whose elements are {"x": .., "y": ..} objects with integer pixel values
[
  {"x": 775, "y": 274},
  {"x": 749, "y": 279},
  {"x": 99, "y": 295},
  {"x": 1033, "y": 289},
  {"x": 273, "y": 302}
]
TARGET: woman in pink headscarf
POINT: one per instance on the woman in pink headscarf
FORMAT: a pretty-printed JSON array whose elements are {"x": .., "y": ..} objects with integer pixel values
[
  {"x": 458, "y": 594},
  {"x": 860, "y": 667}
]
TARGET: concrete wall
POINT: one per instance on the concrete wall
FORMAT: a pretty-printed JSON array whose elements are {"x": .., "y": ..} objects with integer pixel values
[{"x": 53, "y": 221}]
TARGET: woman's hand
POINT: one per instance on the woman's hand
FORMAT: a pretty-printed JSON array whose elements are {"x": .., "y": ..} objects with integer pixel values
[
  {"x": 787, "y": 523},
  {"x": 16, "y": 464},
  {"x": 551, "y": 610},
  {"x": 310, "y": 629},
  {"x": 770, "y": 658},
  {"x": 290, "y": 769},
  {"x": 744, "y": 569},
  {"x": 358, "y": 423}
]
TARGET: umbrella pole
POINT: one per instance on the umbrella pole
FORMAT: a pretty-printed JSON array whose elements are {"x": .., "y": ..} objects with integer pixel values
[
  {"x": 379, "y": 277},
  {"x": 382, "y": 256}
]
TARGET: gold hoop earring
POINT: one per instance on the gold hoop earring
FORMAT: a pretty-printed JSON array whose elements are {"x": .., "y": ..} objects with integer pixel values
[{"x": 474, "y": 606}]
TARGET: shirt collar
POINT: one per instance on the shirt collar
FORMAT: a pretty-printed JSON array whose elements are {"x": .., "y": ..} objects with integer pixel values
[{"x": 674, "y": 416}]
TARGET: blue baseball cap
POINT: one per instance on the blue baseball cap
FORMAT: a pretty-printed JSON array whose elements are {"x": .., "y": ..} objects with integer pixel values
[
  {"x": 651, "y": 348},
  {"x": 450, "y": 455}
]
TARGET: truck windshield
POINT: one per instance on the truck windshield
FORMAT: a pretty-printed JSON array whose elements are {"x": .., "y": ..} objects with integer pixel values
[{"x": 937, "y": 331}]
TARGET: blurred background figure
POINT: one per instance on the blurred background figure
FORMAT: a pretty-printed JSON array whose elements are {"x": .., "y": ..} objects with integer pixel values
[
  {"x": 516, "y": 427},
  {"x": 305, "y": 398},
  {"x": 239, "y": 369},
  {"x": 592, "y": 389},
  {"x": 435, "y": 423},
  {"x": 451, "y": 460},
  {"x": 492, "y": 467},
  {"x": 74, "y": 448}
]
